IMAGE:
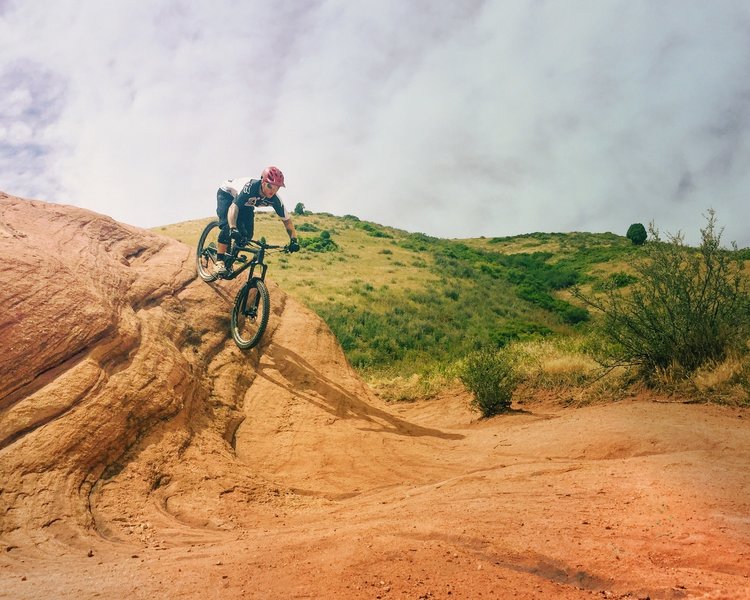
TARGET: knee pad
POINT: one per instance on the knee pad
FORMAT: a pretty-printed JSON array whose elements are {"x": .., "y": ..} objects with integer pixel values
[{"x": 224, "y": 236}]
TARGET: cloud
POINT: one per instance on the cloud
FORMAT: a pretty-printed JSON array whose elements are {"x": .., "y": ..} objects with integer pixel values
[
  {"x": 30, "y": 103},
  {"x": 458, "y": 120}
]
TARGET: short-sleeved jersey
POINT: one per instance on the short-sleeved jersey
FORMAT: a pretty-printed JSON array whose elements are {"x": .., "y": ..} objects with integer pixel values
[{"x": 246, "y": 193}]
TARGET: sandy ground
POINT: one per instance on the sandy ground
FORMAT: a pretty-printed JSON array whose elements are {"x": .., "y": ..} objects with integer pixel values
[
  {"x": 629, "y": 500},
  {"x": 137, "y": 463}
]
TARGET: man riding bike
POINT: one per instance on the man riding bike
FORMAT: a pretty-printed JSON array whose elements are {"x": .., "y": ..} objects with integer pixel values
[{"x": 236, "y": 201}]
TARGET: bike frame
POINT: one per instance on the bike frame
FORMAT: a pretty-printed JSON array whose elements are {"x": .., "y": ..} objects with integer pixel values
[
  {"x": 251, "y": 311},
  {"x": 259, "y": 256}
]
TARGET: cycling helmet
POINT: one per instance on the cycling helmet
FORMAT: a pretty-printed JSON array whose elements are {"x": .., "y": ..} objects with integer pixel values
[{"x": 272, "y": 175}]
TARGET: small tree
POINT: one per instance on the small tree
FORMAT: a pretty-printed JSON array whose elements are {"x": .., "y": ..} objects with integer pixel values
[
  {"x": 299, "y": 209},
  {"x": 489, "y": 375},
  {"x": 637, "y": 234},
  {"x": 688, "y": 307}
]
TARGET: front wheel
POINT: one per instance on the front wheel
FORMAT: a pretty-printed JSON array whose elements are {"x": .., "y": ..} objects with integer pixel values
[
  {"x": 250, "y": 314},
  {"x": 205, "y": 258}
]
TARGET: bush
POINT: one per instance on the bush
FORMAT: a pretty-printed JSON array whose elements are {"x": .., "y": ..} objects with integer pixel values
[
  {"x": 688, "y": 308},
  {"x": 321, "y": 243},
  {"x": 489, "y": 375},
  {"x": 514, "y": 329},
  {"x": 373, "y": 230},
  {"x": 637, "y": 234},
  {"x": 299, "y": 209}
]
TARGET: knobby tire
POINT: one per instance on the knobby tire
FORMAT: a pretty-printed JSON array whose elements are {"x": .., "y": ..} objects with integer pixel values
[
  {"x": 205, "y": 259},
  {"x": 247, "y": 330}
]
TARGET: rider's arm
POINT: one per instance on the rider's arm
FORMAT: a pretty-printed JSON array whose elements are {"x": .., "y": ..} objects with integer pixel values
[
  {"x": 289, "y": 226},
  {"x": 285, "y": 217}
]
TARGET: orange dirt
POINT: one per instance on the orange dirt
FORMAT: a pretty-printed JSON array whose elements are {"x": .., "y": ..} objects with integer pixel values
[{"x": 144, "y": 456}]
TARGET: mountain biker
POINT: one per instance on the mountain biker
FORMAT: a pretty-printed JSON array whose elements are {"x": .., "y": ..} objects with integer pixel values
[{"x": 236, "y": 201}]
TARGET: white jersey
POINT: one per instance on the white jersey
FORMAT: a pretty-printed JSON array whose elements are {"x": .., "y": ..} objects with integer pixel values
[
  {"x": 234, "y": 186},
  {"x": 246, "y": 194}
]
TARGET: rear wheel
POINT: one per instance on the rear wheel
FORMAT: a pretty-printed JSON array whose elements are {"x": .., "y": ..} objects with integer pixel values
[
  {"x": 252, "y": 307},
  {"x": 205, "y": 259}
]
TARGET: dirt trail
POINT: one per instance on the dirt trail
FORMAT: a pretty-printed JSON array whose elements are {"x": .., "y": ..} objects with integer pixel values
[{"x": 144, "y": 456}]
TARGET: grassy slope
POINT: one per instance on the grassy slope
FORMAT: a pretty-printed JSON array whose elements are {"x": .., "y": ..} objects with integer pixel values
[{"x": 405, "y": 303}]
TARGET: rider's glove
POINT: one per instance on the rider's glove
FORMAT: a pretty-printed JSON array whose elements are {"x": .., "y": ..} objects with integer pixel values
[{"x": 293, "y": 245}]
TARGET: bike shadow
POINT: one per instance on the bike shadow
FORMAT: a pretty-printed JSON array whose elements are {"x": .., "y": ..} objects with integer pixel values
[{"x": 303, "y": 380}]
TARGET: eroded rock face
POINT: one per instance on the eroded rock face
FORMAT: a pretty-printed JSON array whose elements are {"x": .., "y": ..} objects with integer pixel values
[
  {"x": 107, "y": 340},
  {"x": 125, "y": 403}
]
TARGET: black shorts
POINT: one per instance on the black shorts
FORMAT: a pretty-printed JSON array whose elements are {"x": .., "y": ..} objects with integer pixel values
[{"x": 245, "y": 219}]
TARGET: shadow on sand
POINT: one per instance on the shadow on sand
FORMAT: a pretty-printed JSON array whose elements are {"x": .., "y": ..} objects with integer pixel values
[{"x": 301, "y": 379}]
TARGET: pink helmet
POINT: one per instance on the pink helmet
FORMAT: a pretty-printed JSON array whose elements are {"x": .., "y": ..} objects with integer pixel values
[{"x": 272, "y": 175}]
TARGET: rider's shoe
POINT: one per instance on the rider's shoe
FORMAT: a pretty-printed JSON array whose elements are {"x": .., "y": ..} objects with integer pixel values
[{"x": 220, "y": 269}]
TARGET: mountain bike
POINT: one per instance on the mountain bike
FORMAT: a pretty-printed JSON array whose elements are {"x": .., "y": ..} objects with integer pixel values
[{"x": 252, "y": 305}]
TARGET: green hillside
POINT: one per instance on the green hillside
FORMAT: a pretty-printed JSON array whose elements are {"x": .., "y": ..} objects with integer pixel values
[{"x": 403, "y": 303}]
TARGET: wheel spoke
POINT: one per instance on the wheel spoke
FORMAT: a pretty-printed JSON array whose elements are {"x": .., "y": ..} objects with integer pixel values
[
  {"x": 250, "y": 314},
  {"x": 206, "y": 251}
]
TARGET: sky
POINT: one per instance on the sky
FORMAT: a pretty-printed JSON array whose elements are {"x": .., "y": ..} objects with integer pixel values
[{"x": 454, "y": 119}]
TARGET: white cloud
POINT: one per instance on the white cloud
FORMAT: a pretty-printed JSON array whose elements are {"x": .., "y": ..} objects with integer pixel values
[
  {"x": 15, "y": 102},
  {"x": 483, "y": 118}
]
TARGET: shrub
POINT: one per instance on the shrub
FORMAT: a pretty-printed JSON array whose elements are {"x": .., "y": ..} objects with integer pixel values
[
  {"x": 567, "y": 312},
  {"x": 373, "y": 230},
  {"x": 513, "y": 330},
  {"x": 688, "y": 308},
  {"x": 299, "y": 209},
  {"x": 535, "y": 278},
  {"x": 489, "y": 375},
  {"x": 636, "y": 234},
  {"x": 418, "y": 242},
  {"x": 321, "y": 243}
]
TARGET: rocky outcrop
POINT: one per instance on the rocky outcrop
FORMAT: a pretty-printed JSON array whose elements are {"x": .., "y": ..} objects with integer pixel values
[
  {"x": 108, "y": 340},
  {"x": 124, "y": 401}
]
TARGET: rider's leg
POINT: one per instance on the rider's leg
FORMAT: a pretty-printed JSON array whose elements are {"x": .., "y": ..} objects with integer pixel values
[{"x": 223, "y": 202}]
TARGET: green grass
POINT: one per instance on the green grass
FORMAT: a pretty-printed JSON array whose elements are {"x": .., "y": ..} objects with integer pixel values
[
  {"x": 409, "y": 309},
  {"x": 403, "y": 303}
]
